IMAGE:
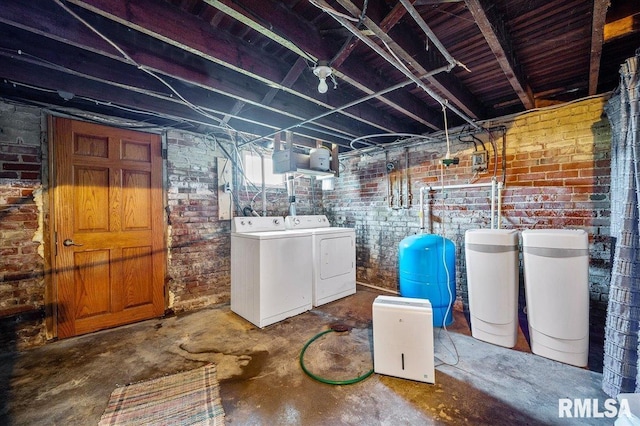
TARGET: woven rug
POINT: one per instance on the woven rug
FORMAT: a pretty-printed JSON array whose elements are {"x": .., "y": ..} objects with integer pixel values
[{"x": 189, "y": 398}]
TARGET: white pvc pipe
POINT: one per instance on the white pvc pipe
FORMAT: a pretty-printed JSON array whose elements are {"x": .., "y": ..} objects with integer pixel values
[
  {"x": 429, "y": 220},
  {"x": 264, "y": 185},
  {"x": 499, "y": 203},
  {"x": 421, "y": 211},
  {"x": 460, "y": 186},
  {"x": 493, "y": 202}
]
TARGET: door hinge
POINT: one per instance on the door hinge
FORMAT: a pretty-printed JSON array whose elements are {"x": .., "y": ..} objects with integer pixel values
[
  {"x": 55, "y": 243},
  {"x": 164, "y": 153}
]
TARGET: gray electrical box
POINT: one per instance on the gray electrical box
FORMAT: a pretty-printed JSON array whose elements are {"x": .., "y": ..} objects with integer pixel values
[
  {"x": 479, "y": 161},
  {"x": 286, "y": 161}
]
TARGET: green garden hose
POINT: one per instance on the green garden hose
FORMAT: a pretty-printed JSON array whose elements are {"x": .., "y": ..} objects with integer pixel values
[{"x": 321, "y": 379}]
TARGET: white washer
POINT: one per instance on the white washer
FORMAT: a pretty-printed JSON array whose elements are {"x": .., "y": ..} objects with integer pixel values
[
  {"x": 334, "y": 257},
  {"x": 271, "y": 270}
]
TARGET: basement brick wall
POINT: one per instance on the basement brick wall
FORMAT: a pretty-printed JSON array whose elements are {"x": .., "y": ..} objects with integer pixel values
[
  {"x": 557, "y": 176},
  {"x": 199, "y": 243},
  {"x": 21, "y": 232},
  {"x": 198, "y": 260}
]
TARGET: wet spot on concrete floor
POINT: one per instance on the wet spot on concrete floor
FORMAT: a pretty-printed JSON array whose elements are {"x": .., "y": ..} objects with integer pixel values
[
  {"x": 63, "y": 387},
  {"x": 252, "y": 365},
  {"x": 229, "y": 366}
]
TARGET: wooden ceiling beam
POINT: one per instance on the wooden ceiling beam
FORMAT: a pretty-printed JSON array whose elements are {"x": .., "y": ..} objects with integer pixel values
[
  {"x": 48, "y": 20},
  {"x": 597, "y": 39},
  {"x": 91, "y": 65},
  {"x": 623, "y": 27},
  {"x": 288, "y": 81},
  {"x": 88, "y": 92},
  {"x": 268, "y": 17},
  {"x": 150, "y": 18},
  {"x": 272, "y": 19},
  {"x": 408, "y": 48},
  {"x": 496, "y": 36},
  {"x": 389, "y": 21}
]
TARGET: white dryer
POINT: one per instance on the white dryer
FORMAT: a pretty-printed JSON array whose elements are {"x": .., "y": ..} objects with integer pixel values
[
  {"x": 271, "y": 270},
  {"x": 334, "y": 257}
]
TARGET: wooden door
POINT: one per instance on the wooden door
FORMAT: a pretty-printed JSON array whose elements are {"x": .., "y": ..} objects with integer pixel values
[{"x": 108, "y": 227}]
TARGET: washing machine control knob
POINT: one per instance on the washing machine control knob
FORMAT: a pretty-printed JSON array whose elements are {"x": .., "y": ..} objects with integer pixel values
[
  {"x": 242, "y": 222},
  {"x": 296, "y": 221},
  {"x": 276, "y": 221},
  {"x": 249, "y": 223}
]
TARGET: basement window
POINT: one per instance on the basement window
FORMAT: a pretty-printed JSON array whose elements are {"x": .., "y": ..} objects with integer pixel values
[{"x": 252, "y": 171}]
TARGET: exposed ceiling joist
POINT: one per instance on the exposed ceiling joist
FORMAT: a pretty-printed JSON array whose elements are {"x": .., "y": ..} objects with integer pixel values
[
  {"x": 623, "y": 27},
  {"x": 413, "y": 54},
  {"x": 247, "y": 65},
  {"x": 94, "y": 63},
  {"x": 248, "y": 15},
  {"x": 597, "y": 39},
  {"x": 271, "y": 19},
  {"x": 288, "y": 81},
  {"x": 386, "y": 24},
  {"x": 149, "y": 17},
  {"x": 494, "y": 33}
]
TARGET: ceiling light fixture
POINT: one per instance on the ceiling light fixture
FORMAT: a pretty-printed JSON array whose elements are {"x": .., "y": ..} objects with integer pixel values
[{"x": 322, "y": 70}]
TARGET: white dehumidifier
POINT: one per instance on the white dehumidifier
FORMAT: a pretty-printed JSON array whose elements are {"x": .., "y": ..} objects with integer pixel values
[{"x": 403, "y": 338}]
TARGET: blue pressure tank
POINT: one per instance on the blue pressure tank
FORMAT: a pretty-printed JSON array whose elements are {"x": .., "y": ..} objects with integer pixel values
[{"x": 427, "y": 270}]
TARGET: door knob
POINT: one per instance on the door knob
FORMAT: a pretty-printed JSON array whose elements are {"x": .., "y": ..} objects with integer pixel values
[{"x": 68, "y": 242}]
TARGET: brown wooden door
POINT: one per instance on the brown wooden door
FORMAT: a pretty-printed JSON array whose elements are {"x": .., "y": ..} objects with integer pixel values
[{"x": 109, "y": 260}]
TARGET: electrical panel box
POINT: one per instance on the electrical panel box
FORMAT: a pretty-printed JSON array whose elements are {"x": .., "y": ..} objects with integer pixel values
[
  {"x": 479, "y": 160},
  {"x": 225, "y": 201}
]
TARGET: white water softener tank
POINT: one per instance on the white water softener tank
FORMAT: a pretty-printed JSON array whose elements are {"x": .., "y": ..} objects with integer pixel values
[
  {"x": 319, "y": 159},
  {"x": 556, "y": 279},
  {"x": 492, "y": 281}
]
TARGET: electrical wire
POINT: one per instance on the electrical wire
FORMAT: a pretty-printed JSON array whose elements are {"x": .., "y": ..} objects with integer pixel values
[
  {"x": 133, "y": 62},
  {"x": 333, "y": 12},
  {"x": 410, "y": 136},
  {"x": 128, "y": 59},
  {"x": 446, "y": 129},
  {"x": 390, "y": 50},
  {"x": 444, "y": 251}
]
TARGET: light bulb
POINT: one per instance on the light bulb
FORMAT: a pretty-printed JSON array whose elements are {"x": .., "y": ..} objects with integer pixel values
[{"x": 322, "y": 86}]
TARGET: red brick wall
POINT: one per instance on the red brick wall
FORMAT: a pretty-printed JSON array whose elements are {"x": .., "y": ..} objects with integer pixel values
[
  {"x": 557, "y": 176},
  {"x": 21, "y": 233},
  {"x": 199, "y": 243}
]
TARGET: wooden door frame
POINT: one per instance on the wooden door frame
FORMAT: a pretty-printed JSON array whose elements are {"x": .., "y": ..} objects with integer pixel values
[{"x": 49, "y": 213}]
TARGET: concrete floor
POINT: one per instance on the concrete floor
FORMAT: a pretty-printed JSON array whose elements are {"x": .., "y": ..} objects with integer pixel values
[{"x": 261, "y": 382}]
